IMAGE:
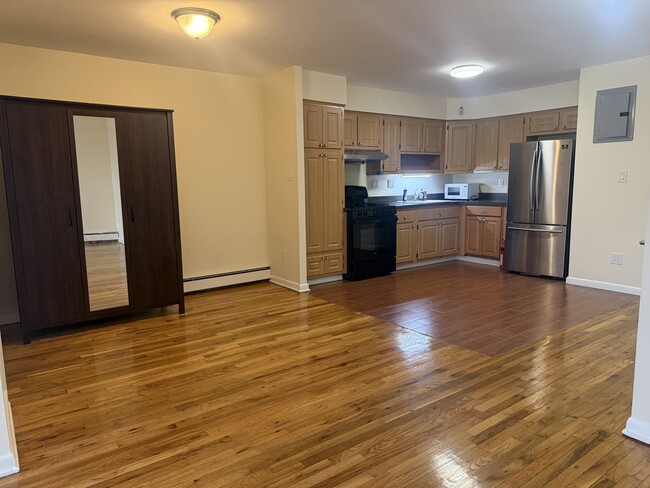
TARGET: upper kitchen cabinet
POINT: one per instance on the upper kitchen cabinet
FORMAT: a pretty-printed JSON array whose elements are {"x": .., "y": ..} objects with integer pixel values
[
  {"x": 323, "y": 125},
  {"x": 460, "y": 145},
  {"x": 552, "y": 121},
  {"x": 486, "y": 144},
  {"x": 569, "y": 118},
  {"x": 391, "y": 137},
  {"x": 421, "y": 136},
  {"x": 362, "y": 130},
  {"x": 511, "y": 130}
]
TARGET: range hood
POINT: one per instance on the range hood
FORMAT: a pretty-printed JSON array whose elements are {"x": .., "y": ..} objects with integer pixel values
[{"x": 360, "y": 156}]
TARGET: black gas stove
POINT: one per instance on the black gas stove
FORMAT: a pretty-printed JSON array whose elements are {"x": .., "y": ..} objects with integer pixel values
[{"x": 371, "y": 235}]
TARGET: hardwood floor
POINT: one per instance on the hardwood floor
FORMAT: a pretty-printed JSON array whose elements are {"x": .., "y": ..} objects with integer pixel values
[
  {"x": 473, "y": 306},
  {"x": 259, "y": 386}
]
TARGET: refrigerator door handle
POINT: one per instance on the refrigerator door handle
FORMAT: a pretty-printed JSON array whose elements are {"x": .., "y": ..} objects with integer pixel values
[
  {"x": 531, "y": 189},
  {"x": 538, "y": 166},
  {"x": 550, "y": 231}
]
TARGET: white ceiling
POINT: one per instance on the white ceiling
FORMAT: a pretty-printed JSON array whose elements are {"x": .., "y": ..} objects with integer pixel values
[{"x": 404, "y": 45}]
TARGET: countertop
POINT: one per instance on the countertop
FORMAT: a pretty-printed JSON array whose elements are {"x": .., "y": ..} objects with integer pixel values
[{"x": 411, "y": 204}]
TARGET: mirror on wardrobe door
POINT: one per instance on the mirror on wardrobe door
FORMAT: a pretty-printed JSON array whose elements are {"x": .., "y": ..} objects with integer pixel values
[{"x": 101, "y": 211}]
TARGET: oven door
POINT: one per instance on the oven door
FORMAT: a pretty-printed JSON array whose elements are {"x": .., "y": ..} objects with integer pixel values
[{"x": 372, "y": 239}]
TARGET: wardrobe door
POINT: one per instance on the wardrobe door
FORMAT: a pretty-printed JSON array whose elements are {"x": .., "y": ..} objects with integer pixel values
[
  {"x": 148, "y": 186},
  {"x": 42, "y": 202}
]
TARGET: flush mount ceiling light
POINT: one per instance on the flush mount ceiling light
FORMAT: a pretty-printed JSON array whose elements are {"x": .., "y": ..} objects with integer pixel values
[
  {"x": 466, "y": 71},
  {"x": 196, "y": 22}
]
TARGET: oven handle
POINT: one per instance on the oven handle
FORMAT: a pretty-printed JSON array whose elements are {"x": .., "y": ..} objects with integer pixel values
[{"x": 373, "y": 220}]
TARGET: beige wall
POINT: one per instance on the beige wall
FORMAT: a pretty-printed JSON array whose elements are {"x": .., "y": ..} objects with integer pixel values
[
  {"x": 218, "y": 125},
  {"x": 531, "y": 100},
  {"x": 285, "y": 190},
  {"x": 323, "y": 87},
  {"x": 366, "y": 99},
  {"x": 609, "y": 216}
]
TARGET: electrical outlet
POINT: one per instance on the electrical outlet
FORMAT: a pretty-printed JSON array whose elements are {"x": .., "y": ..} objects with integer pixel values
[
  {"x": 284, "y": 256},
  {"x": 500, "y": 182},
  {"x": 622, "y": 176},
  {"x": 616, "y": 258},
  {"x": 374, "y": 184},
  {"x": 390, "y": 183}
]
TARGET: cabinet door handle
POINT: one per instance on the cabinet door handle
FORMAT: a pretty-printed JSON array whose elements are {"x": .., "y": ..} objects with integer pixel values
[
  {"x": 642, "y": 242},
  {"x": 132, "y": 215},
  {"x": 70, "y": 216}
]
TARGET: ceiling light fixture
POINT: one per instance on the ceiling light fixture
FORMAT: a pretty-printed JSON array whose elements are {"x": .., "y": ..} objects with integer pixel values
[
  {"x": 466, "y": 71},
  {"x": 196, "y": 22}
]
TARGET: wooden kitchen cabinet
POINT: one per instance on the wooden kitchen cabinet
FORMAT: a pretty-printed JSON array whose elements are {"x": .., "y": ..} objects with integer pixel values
[
  {"x": 486, "y": 142},
  {"x": 511, "y": 130},
  {"x": 391, "y": 139},
  {"x": 324, "y": 264},
  {"x": 324, "y": 183},
  {"x": 483, "y": 227},
  {"x": 552, "y": 121},
  {"x": 362, "y": 130},
  {"x": 323, "y": 126},
  {"x": 427, "y": 233},
  {"x": 422, "y": 136},
  {"x": 433, "y": 136},
  {"x": 569, "y": 119},
  {"x": 460, "y": 146}
]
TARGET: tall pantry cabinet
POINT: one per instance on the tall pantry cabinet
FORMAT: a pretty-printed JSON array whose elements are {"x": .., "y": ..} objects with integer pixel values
[
  {"x": 324, "y": 184},
  {"x": 64, "y": 272}
]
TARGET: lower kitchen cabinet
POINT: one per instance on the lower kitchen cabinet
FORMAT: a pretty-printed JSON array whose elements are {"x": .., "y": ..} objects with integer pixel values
[
  {"x": 427, "y": 233},
  {"x": 483, "y": 229},
  {"x": 325, "y": 264}
]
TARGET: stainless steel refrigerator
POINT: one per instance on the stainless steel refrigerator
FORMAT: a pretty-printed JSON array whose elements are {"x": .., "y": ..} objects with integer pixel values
[{"x": 539, "y": 207}]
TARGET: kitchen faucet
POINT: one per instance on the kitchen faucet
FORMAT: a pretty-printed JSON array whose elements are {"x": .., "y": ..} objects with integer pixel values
[{"x": 416, "y": 193}]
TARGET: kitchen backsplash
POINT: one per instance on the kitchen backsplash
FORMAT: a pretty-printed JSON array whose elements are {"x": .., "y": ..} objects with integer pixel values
[{"x": 393, "y": 185}]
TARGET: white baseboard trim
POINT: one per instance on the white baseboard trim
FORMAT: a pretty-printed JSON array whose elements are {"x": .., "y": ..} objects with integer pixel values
[
  {"x": 467, "y": 259},
  {"x": 9, "y": 462},
  {"x": 475, "y": 260},
  {"x": 102, "y": 236},
  {"x": 210, "y": 282},
  {"x": 637, "y": 429},
  {"x": 8, "y": 465},
  {"x": 603, "y": 285},
  {"x": 426, "y": 263},
  {"x": 324, "y": 279},
  {"x": 291, "y": 285}
]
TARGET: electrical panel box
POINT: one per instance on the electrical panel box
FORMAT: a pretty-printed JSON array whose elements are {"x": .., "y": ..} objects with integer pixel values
[{"x": 614, "y": 120}]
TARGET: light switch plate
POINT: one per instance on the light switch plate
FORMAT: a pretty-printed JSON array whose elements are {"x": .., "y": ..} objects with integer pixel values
[
  {"x": 390, "y": 183},
  {"x": 374, "y": 184},
  {"x": 622, "y": 176}
]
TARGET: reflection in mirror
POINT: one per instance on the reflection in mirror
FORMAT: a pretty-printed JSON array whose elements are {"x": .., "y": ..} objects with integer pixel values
[{"x": 101, "y": 210}]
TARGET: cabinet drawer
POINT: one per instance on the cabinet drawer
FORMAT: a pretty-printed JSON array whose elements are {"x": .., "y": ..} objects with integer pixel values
[
  {"x": 435, "y": 213},
  {"x": 404, "y": 216},
  {"x": 484, "y": 211}
]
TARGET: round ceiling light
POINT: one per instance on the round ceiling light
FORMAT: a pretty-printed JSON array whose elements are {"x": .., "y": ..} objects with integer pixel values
[
  {"x": 196, "y": 22},
  {"x": 466, "y": 71}
]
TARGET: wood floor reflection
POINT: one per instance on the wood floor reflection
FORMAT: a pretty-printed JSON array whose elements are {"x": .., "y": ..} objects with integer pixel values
[
  {"x": 473, "y": 306},
  {"x": 107, "y": 280},
  {"x": 258, "y": 386}
]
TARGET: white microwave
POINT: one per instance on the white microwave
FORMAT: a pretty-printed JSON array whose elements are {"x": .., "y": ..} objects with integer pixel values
[{"x": 461, "y": 191}]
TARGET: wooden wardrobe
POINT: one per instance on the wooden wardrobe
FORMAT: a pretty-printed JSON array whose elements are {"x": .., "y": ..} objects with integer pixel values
[{"x": 54, "y": 155}]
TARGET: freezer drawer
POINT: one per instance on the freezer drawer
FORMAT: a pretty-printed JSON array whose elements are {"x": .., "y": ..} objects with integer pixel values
[{"x": 536, "y": 249}]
